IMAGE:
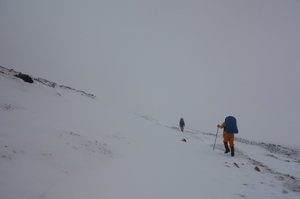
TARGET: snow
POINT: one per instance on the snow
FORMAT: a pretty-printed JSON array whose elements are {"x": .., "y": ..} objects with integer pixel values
[{"x": 57, "y": 142}]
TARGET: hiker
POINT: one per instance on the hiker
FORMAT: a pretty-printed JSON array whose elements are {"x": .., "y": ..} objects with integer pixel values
[
  {"x": 230, "y": 128},
  {"x": 181, "y": 124}
]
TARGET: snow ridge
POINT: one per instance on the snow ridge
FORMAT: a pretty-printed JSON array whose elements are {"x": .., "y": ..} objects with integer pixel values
[{"x": 11, "y": 72}]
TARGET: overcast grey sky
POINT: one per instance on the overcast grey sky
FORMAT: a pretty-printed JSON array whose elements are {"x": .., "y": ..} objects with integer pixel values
[{"x": 201, "y": 60}]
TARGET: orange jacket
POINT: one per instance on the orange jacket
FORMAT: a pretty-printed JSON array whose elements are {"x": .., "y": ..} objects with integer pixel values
[{"x": 222, "y": 125}]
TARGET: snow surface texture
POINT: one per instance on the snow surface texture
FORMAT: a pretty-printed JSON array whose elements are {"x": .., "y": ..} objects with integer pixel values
[{"x": 57, "y": 142}]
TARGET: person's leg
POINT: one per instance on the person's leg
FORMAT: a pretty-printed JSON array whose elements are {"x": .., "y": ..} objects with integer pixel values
[
  {"x": 231, "y": 139},
  {"x": 226, "y": 147},
  {"x": 225, "y": 141},
  {"x": 231, "y": 142},
  {"x": 181, "y": 128}
]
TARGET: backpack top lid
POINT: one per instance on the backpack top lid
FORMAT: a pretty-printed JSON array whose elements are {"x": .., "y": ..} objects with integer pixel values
[{"x": 231, "y": 126}]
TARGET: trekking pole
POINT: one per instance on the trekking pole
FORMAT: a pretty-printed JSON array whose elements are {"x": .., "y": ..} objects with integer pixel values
[{"x": 216, "y": 138}]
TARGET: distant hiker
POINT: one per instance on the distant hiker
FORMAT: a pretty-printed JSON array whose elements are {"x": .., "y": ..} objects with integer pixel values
[
  {"x": 230, "y": 128},
  {"x": 181, "y": 124}
]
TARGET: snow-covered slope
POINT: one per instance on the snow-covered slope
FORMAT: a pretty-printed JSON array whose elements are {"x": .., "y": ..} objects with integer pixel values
[{"x": 57, "y": 142}]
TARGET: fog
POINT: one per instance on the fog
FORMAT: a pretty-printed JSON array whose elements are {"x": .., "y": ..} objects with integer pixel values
[{"x": 200, "y": 60}]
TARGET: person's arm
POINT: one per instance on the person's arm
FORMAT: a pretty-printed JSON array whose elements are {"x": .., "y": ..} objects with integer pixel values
[{"x": 222, "y": 125}]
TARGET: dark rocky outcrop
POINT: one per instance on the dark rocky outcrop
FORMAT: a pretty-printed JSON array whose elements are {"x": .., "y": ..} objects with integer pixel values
[{"x": 25, "y": 78}]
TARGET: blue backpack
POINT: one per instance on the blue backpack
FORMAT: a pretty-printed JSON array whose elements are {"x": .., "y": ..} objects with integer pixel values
[
  {"x": 231, "y": 126},
  {"x": 181, "y": 123}
]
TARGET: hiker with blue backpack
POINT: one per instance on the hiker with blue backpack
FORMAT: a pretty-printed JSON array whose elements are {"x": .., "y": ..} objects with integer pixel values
[
  {"x": 230, "y": 128},
  {"x": 181, "y": 124}
]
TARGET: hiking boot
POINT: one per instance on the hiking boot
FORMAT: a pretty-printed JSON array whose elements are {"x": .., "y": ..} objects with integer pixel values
[
  {"x": 226, "y": 148},
  {"x": 232, "y": 151}
]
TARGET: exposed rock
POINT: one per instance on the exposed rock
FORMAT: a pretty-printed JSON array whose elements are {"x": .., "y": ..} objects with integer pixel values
[
  {"x": 25, "y": 78},
  {"x": 257, "y": 169},
  {"x": 236, "y": 165}
]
